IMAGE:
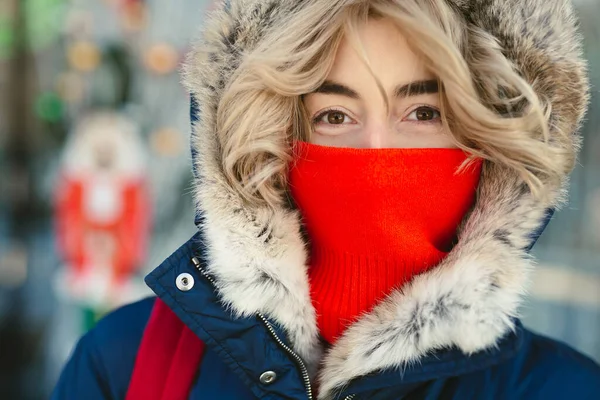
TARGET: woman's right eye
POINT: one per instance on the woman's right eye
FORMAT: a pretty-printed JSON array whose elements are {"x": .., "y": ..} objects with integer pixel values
[{"x": 332, "y": 117}]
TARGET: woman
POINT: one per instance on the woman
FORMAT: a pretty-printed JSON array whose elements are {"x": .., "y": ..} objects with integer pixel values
[{"x": 370, "y": 177}]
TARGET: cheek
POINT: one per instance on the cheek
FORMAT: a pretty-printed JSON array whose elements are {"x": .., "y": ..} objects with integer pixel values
[
  {"x": 421, "y": 137},
  {"x": 436, "y": 141},
  {"x": 451, "y": 144},
  {"x": 345, "y": 140},
  {"x": 445, "y": 139}
]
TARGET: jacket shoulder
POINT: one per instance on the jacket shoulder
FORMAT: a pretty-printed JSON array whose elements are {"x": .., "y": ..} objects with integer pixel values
[
  {"x": 123, "y": 327},
  {"x": 558, "y": 371},
  {"x": 101, "y": 364}
]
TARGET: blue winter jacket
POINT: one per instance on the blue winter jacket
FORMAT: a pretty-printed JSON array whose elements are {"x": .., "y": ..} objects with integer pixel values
[
  {"x": 451, "y": 333},
  {"x": 522, "y": 366}
]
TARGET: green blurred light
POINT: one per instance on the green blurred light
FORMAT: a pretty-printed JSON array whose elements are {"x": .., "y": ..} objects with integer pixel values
[
  {"x": 7, "y": 37},
  {"x": 45, "y": 20},
  {"x": 49, "y": 107}
]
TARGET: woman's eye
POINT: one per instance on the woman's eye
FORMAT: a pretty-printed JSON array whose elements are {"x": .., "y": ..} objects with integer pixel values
[
  {"x": 332, "y": 118},
  {"x": 424, "y": 113}
]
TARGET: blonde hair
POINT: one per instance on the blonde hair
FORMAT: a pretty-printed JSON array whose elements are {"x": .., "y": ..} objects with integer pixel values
[{"x": 491, "y": 111}]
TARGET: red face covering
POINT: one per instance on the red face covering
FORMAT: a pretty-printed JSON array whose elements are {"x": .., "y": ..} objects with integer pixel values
[{"x": 375, "y": 218}]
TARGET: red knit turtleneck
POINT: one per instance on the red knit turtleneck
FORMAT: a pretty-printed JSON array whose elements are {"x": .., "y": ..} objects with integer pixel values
[{"x": 375, "y": 218}]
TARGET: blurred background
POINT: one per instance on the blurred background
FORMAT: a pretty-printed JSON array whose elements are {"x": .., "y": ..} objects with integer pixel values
[{"x": 95, "y": 179}]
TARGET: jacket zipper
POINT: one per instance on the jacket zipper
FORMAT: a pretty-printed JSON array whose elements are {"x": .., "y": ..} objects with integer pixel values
[
  {"x": 269, "y": 327},
  {"x": 350, "y": 397},
  {"x": 295, "y": 356}
]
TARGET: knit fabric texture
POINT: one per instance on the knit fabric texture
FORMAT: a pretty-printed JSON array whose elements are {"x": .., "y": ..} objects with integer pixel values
[{"x": 375, "y": 218}]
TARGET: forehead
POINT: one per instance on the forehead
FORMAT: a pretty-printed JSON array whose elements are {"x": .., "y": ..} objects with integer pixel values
[{"x": 391, "y": 58}]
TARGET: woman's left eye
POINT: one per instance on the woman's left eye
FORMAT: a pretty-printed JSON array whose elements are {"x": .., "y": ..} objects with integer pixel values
[{"x": 424, "y": 114}]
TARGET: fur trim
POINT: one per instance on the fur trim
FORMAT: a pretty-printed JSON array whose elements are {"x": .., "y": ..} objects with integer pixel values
[{"x": 258, "y": 255}]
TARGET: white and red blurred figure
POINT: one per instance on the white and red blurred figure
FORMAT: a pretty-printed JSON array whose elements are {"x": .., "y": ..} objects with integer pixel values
[{"x": 102, "y": 210}]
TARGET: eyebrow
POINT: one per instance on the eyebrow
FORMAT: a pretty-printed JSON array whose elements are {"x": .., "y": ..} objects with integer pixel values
[
  {"x": 330, "y": 87},
  {"x": 415, "y": 88}
]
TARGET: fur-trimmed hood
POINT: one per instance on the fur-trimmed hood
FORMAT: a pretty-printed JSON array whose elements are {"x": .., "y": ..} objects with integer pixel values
[{"x": 258, "y": 256}]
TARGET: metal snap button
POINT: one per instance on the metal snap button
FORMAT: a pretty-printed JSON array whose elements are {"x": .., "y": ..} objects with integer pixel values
[
  {"x": 184, "y": 282},
  {"x": 268, "y": 377}
]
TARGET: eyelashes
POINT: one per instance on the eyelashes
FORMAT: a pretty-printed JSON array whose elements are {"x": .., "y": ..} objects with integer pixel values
[
  {"x": 321, "y": 114},
  {"x": 431, "y": 114},
  {"x": 420, "y": 114}
]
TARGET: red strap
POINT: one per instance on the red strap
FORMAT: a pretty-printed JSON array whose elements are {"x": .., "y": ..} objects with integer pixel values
[{"x": 167, "y": 360}]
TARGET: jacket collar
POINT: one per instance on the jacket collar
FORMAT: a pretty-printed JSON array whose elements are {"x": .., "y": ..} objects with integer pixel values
[
  {"x": 202, "y": 310},
  {"x": 239, "y": 342}
]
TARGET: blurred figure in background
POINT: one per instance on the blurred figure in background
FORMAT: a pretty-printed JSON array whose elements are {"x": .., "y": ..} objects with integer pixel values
[
  {"x": 103, "y": 211},
  {"x": 60, "y": 62}
]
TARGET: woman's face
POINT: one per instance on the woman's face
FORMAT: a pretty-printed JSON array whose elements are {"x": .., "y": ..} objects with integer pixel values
[{"x": 349, "y": 111}]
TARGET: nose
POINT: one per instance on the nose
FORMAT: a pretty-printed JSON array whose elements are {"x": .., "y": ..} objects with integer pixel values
[{"x": 377, "y": 136}]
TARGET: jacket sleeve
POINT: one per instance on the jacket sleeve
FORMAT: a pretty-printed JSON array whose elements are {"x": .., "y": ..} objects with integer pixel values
[
  {"x": 85, "y": 375},
  {"x": 101, "y": 365}
]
